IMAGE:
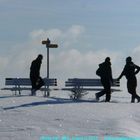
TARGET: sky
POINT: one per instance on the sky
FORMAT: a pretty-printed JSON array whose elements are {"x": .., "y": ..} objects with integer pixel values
[{"x": 86, "y": 32}]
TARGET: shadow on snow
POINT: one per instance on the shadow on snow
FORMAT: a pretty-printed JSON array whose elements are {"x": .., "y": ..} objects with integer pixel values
[{"x": 51, "y": 100}]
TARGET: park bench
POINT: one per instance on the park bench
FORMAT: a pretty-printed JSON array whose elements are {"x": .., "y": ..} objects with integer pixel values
[
  {"x": 80, "y": 86},
  {"x": 19, "y": 84}
]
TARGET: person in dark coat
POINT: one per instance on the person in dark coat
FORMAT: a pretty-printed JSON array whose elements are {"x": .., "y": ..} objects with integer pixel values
[
  {"x": 36, "y": 81},
  {"x": 130, "y": 70},
  {"x": 106, "y": 79}
]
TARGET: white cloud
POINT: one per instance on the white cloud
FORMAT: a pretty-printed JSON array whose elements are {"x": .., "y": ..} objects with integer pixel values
[
  {"x": 63, "y": 37},
  {"x": 75, "y": 31},
  {"x": 40, "y": 34}
]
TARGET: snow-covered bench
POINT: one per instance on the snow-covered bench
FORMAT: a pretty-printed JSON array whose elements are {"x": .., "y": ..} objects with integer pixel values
[
  {"x": 80, "y": 86},
  {"x": 19, "y": 84}
]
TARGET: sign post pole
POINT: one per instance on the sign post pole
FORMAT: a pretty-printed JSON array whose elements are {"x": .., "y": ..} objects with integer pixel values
[{"x": 48, "y": 45}]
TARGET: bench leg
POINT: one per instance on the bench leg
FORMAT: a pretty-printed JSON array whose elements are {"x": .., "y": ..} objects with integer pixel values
[{"x": 46, "y": 92}]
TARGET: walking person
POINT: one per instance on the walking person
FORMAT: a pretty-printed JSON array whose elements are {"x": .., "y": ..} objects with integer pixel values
[
  {"x": 130, "y": 70},
  {"x": 36, "y": 81},
  {"x": 105, "y": 72}
]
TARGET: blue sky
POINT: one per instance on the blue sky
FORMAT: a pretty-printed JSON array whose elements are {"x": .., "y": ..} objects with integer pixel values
[
  {"x": 86, "y": 31},
  {"x": 116, "y": 23}
]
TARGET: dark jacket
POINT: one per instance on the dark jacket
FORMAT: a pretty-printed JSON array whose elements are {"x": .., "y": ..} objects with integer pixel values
[
  {"x": 106, "y": 71},
  {"x": 130, "y": 70},
  {"x": 35, "y": 68}
]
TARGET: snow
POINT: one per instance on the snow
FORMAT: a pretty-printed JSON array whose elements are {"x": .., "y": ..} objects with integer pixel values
[{"x": 29, "y": 118}]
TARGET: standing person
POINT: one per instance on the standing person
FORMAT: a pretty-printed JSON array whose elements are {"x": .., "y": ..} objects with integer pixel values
[
  {"x": 130, "y": 70},
  {"x": 106, "y": 79},
  {"x": 35, "y": 78}
]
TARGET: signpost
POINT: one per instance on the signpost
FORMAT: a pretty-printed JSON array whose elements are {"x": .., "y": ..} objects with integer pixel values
[{"x": 48, "y": 45}]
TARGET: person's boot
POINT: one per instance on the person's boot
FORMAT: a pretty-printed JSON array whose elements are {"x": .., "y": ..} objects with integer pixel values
[
  {"x": 138, "y": 99},
  {"x": 132, "y": 100},
  {"x": 97, "y": 97},
  {"x": 108, "y": 97}
]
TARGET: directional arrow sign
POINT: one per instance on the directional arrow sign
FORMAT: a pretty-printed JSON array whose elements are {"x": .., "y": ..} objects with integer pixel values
[{"x": 53, "y": 46}]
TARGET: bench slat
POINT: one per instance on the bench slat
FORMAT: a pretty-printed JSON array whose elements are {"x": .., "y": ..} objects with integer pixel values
[
  {"x": 27, "y": 82},
  {"x": 88, "y": 82},
  {"x": 24, "y": 88},
  {"x": 88, "y": 79},
  {"x": 89, "y": 89}
]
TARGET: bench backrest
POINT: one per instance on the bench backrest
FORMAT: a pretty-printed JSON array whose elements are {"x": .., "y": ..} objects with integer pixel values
[
  {"x": 27, "y": 82},
  {"x": 77, "y": 82}
]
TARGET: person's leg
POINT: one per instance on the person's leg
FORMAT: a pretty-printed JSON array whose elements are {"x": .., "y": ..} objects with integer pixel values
[
  {"x": 99, "y": 94},
  {"x": 108, "y": 97},
  {"x": 33, "y": 82},
  {"x": 107, "y": 89},
  {"x": 108, "y": 94},
  {"x": 135, "y": 93},
  {"x": 138, "y": 98},
  {"x": 130, "y": 90},
  {"x": 135, "y": 96},
  {"x": 132, "y": 99},
  {"x": 40, "y": 83},
  {"x": 131, "y": 86}
]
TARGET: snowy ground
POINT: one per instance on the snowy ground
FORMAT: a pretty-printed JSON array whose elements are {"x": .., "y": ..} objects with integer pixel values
[{"x": 28, "y": 118}]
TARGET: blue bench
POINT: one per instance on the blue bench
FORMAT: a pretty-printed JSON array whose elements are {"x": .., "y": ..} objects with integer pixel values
[
  {"x": 80, "y": 86},
  {"x": 19, "y": 84}
]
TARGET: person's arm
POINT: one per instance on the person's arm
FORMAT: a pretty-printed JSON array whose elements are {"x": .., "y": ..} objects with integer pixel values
[
  {"x": 137, "y": 69},
  {"x": 111, "y": 78},
  {"x": 121, "y": 75}
]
